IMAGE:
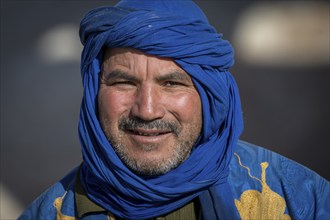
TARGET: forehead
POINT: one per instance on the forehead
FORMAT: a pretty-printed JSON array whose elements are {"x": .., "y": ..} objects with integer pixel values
[
  {"x": 134, "y": 59},
  {"x": 127, "y": 52}
]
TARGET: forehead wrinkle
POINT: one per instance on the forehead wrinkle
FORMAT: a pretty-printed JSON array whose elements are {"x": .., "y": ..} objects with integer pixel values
[
  {"x": 119, "y": 56},
  {"x": 135, "y": 61}
]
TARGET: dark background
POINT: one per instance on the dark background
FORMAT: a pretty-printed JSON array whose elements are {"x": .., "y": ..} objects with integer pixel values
[{"x": 285, "y": 107}]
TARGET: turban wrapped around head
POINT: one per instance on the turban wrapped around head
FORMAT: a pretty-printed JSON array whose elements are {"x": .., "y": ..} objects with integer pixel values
[{"x": 177, "y": 30}]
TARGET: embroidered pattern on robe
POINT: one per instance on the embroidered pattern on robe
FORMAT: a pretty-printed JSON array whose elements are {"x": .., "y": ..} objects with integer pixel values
[{"x": 266, "y": 204}]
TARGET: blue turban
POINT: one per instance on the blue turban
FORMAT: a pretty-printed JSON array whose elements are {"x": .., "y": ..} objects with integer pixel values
[{"x": 177, "y": 30}]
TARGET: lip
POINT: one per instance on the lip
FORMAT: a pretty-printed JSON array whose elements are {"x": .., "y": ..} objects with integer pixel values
[{"x": 143, "y": 136}]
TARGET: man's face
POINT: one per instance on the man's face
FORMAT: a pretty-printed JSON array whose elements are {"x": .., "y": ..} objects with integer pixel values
[{"x": 149, "y": 110}]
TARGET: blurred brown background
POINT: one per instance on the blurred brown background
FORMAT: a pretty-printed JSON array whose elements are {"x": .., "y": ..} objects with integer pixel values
[{"x": 282, "y": 69}]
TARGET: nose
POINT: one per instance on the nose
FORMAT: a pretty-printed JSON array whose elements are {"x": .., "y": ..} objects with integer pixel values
[{"x": 148, "y": 104}]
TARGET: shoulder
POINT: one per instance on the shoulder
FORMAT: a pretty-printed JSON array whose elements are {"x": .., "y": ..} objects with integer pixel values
[
  {"x": 44, "y": 206},
  {"x": 282, "y": 167},
  {"x": 306, "y": 194}
]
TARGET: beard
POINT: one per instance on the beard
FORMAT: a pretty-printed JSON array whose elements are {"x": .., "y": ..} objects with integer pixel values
[{"x": 150, "y": 166}]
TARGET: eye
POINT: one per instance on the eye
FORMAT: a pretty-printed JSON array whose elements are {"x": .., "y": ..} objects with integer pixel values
[
  {"x": 172, "y": 84},
  {"x": 121, "y": 83},
  {"x": 117, "y": 83}
]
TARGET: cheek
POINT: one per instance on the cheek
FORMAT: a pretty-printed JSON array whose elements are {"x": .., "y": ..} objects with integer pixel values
[
  {"x": 112, "y": 104},
  {"x": 187, "y": 108}
]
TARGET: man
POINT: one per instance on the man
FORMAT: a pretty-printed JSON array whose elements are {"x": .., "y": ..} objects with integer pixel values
[{"x": 159, "y": 128}]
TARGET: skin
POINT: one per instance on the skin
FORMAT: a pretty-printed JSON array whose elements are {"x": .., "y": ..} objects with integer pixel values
[{"x": 149, "y": 109}]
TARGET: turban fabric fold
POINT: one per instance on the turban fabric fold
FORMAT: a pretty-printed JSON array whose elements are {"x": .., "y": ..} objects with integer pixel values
[{"x": 177, "y": 30}]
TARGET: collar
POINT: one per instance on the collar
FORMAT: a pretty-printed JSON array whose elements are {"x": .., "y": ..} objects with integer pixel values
[{"x": 83, "y": 204}]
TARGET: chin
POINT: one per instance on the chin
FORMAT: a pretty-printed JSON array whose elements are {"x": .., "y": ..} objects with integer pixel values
[{"x": 150, "y": 165}]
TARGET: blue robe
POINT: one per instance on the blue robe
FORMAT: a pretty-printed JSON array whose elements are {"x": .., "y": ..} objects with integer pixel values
[{"x": 265, "y": 185}]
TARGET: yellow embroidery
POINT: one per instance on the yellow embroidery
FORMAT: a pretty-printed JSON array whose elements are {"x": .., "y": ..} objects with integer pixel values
[
  {"x": 266, "y": 204},
  {"x": 58, "y": 206}
]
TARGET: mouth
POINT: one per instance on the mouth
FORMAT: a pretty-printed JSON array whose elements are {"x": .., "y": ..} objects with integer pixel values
[
  {"x": 146, "y": 136},
  {"x": 147, "y": 133}
]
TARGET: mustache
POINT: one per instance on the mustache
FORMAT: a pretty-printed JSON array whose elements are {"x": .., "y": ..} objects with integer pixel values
[{"x": 137, "y": 123}]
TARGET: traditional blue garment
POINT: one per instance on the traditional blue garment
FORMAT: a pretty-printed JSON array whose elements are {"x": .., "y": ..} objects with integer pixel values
[
  {"x": 178, "y": 30},
  {"x": 287, "y": 190},
  {"x": 252, "y": 183}
]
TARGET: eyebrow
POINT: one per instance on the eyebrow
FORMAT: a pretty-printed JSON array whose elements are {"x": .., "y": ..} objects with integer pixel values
[
  {"x": 119, "y": 74},
  {"x": 174, "y": 75}
]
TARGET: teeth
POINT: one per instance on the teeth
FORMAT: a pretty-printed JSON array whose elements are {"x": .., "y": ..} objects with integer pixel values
[{"x": 148, "y": 134}]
